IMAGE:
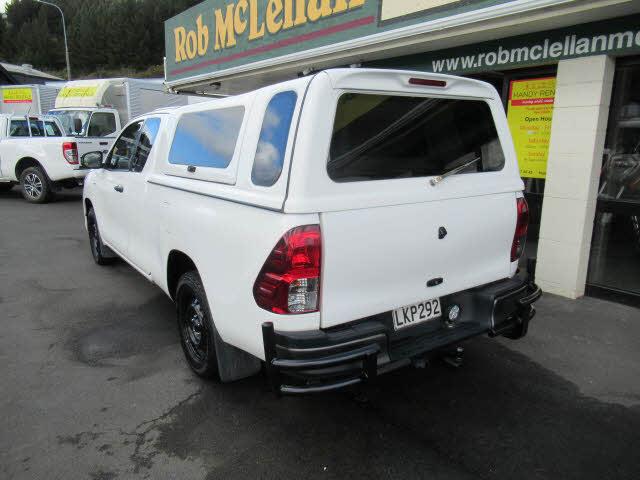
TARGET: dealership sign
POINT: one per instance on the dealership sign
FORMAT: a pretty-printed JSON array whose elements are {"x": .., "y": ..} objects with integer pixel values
[
  {"x": 243, "y": 18},
  {"x": 220, "y": 34},
  {"x": 619, "y": 36}
]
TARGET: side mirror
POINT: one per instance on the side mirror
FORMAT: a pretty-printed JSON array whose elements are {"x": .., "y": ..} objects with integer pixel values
[
  {"x": 77, "y": 126},
  {"x": 91, "y": 160}
]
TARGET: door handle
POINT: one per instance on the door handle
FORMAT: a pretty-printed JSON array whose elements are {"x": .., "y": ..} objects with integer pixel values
[
  {"x": 118, "y": 188},
  {"x": 104, "y": 143}
]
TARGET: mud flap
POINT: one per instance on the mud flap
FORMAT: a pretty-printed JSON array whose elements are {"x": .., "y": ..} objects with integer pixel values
[{"x": 233, "y": 363}]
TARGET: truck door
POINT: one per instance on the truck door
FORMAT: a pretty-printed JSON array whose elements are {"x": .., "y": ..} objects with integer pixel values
[
  {"x": 114, "y": 183},
  {"x": 140, "y": 228},
  {"x": 101, "y": 131}
]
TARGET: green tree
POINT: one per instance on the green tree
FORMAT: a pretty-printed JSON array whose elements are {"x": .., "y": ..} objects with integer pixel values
[
  {"x": 102, "y": 34},
  {"x": 3, "y": 29}
]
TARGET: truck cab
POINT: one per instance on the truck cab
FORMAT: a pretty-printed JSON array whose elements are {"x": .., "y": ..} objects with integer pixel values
[
  {"x": 93, "y": 128},
  {"x": 88, "y": 122}
]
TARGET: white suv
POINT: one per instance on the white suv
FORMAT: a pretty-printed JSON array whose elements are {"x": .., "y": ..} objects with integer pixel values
[{"x": 334, "y": 226}]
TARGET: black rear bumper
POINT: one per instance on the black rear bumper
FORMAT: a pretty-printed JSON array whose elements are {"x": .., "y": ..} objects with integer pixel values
[{"x": 324, "y": 360}]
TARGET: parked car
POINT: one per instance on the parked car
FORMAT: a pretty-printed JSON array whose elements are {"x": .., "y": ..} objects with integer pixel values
[
  {"x": 335, "y": 226},
  {"x": 34, "y": 153}
]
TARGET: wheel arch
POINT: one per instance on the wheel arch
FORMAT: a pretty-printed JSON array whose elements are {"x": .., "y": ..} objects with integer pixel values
[
  {"x": 26, "y": 162},
  {"x": 233, "y": 363},
  {"x": 178, "y": 263}
]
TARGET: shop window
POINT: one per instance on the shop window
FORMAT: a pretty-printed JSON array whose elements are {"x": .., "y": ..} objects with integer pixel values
[
  {"x": 615, "y": 248},
  {"x": 529, "y": 96}
]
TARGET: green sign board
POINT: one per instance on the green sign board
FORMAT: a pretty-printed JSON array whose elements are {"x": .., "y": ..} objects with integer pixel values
[
  {"x": 619, "y": 36},
  {"x": 221, "y": 34}
]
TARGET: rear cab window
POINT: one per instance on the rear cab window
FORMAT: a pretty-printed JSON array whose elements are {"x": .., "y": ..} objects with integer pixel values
[
  {"x": 379, "y": 137},
  {"x": 37, "y": 127},
  {"x": 51, "y": 129}
]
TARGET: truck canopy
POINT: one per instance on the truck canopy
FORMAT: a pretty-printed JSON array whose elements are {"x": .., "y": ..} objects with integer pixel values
[{"x": 370, "y": 145}]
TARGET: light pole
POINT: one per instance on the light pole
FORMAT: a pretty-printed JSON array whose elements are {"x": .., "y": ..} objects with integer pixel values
[{"x": 64, "y": 31}]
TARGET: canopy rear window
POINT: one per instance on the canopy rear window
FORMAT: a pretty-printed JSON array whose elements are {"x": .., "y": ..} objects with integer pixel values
[{"x": 377, "y": 137}]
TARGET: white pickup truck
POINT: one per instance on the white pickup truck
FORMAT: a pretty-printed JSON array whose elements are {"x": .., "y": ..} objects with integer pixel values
[
  {"x": 334, "y": 227},
  {"x": 34, "y": 153}
]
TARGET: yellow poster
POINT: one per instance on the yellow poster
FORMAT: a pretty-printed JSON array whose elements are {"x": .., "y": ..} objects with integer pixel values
[
  {"x": 17, "y": 95},
  {"x": 529, "y": 113},
  {"x": 77, "y": 92}
]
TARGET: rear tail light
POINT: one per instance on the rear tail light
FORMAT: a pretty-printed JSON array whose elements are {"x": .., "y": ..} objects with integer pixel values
[
  {"x": 520, "y": 235},
  {"x": 289, "y": 281},
  {"x": 70, "y": 152}
]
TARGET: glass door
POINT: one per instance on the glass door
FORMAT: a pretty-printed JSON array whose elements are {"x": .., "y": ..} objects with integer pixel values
[{"x": 614, "y": 265}]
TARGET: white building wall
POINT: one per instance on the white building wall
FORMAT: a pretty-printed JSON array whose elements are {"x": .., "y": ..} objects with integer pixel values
[{"x": 581, "y": 110}]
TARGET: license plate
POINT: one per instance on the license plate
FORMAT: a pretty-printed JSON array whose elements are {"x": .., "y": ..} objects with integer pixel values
[{"x": 413, "y": 314}]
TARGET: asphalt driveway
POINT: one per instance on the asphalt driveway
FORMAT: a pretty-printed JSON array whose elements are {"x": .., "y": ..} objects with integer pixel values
[{"x": 94, "y": 386}]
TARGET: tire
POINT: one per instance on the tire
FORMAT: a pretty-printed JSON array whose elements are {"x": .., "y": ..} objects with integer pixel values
[
  {"x": 195, "y": 326},
  {"x": 95, "y": 242},
  {"x": 36, "y": 187},
  {"x": 6, "y": 186}
]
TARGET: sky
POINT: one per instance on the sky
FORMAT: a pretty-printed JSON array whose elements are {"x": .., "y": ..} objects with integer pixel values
[{"x": 2, "y": 4}]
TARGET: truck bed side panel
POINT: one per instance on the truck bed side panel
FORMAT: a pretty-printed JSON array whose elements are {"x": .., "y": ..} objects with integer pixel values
[{"x": 223, "y": 236}]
